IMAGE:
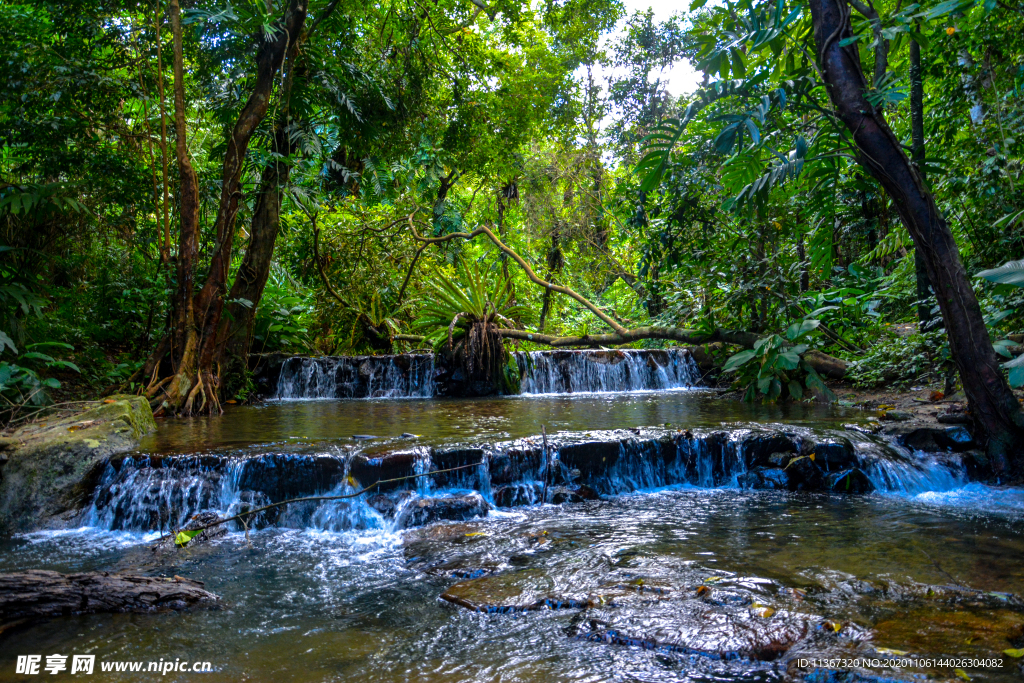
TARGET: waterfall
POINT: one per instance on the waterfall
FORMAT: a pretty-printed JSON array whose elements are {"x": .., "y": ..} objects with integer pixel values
[
  {"x": 163, "y": 492},
  {"x": 397, "y": 376},
  {"x": 542, "y": 372},
  {"x": 565, "y": 372}
]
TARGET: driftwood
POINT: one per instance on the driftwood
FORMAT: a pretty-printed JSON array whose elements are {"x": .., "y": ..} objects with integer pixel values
[{"x": 49, "y": 594}]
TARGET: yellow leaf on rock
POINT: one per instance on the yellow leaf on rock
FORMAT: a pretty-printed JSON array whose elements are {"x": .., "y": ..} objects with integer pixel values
[
  {"x": 889, "y": 651},
  {"x": 960, "y": 673},
  {"x": 476, "y": 533},
  {"x": 766, "y": 612},
  {"x": 1015, "y": 653}
]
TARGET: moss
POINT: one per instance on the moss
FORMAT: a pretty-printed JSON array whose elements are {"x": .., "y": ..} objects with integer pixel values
[{"x": 52, "y": 468}]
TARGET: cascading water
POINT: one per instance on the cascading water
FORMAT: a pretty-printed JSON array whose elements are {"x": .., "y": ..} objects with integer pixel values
[
  {"x": 542, "y": 372},
  {"x": 564, "y": 372},
  {"x": 398, "y": 376},
  {"x": 163, "y": 492}
]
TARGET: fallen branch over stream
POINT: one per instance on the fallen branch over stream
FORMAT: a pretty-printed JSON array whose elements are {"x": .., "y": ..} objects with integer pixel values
[
  {"x": 822, "y": 363},
  {"x": 38, "y": 593}
]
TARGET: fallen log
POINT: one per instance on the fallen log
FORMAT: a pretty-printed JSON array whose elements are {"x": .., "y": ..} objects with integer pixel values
[{"x": 37, "y": 593}]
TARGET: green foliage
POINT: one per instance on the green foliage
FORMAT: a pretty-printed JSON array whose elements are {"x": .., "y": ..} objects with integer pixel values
[
  {"x": 775, "y": 368},
  {"x": 281, "y": 317},
  {"x": 22, "y": 388},
  {"x": 451, "y": 306},
  {"x": 901, "y": 359}
]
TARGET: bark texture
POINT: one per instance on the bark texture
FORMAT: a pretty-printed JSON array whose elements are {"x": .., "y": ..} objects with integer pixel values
[
  {"x": 997, "y": 415},
  {"x": 50, "y": 594}
]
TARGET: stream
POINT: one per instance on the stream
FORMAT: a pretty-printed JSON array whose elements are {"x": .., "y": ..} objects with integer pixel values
[{"x": 670, "y": 571}]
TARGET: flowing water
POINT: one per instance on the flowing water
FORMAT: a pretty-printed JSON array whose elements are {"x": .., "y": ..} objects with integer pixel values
[{"x": 674, "y": 574}]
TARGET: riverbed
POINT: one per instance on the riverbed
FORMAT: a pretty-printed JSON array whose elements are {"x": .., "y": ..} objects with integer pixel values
[{"x": 607, "y": 589}]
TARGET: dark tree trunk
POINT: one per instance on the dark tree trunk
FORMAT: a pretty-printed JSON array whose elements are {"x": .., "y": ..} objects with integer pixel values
[
  {"x": 184, "y": 341},
  {"x": 924, "y": 309},
  {"x": 251, "y": 278},
  {"x": 997, "y": 415},
  {"x": 48, "y": 594},
  {"x": 555, "y": 261}
]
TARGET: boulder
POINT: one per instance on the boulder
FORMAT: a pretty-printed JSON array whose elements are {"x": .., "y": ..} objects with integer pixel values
[
  {"x": 512, "y": 495},
  {"x": 591, "y": 458},
  {"x": 804, "y": 474},
  {"x": 758, "y": 446},
  {"x": 832, "y": 453},
  {"x": 571, "y": 494},
  {"x": 366, "y": 470},
  {"x": 514, "y": 464},
  {"x": 51, "y": 467},
  {"x": 933, "y": 439}
]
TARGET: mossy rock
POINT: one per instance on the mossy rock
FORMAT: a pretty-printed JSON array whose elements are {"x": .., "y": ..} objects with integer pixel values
[{"x": 48, "y": 469}]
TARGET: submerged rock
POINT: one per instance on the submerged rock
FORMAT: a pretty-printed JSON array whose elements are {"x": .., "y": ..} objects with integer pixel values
[
  {"x": 764, "y": 478},
  {"x": 569, "y": 494},
  {"x": 849, "y": 481},
  {"x": 202, "y": 519},
  {"x": 452, "y": 508},
  {"x": 698, "y": 627}
]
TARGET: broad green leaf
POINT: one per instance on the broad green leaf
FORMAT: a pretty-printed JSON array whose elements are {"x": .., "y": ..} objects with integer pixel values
[
  {"x": 7, "y": 342},
  {"x": 797, "y": 330},
  {"x": 789, "y": 360},
  {"x": 737, "y": 360},
  {"x": 1010, "y": 273},
  {"x": 796, "y": 391},
  {"x": 35, "y": 355}
]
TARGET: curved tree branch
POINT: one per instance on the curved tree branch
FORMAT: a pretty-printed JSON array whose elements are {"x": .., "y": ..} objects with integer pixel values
[{"x": 483, "y": 230}]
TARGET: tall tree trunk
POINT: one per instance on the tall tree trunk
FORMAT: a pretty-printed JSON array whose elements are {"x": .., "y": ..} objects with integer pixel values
[
  {"x": 210, "y": 301},
  {"x": 251, "y": 278},
  {"x": 924, "y": 309},
  {"x": 184, "y": 344},
  {"x": 555, "y": 261},
  {"x": 997, "y": 415}
]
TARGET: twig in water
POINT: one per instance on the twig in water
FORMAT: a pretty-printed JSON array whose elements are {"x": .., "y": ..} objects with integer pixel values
[{"x": 547, "y": 464}]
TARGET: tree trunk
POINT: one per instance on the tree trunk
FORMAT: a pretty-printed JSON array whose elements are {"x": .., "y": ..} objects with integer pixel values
[
  {"x": 997, "y": 415},
  {"x": 196, "y": 332},
  {"x": 210, "y": 301},
  {"x": 184, "y": 344},
  {"x": 38, "y": 593},
  {"x": 924, "y": 309},
  {"x": 251, "y": 278}
]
